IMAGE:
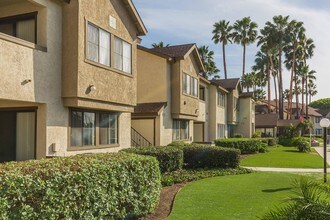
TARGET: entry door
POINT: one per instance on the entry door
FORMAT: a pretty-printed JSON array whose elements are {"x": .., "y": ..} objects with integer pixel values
[
  {"x": 7, "y": 136},
  {"x": 17, "y": 136},
  {"x": 25, "y": 136}
]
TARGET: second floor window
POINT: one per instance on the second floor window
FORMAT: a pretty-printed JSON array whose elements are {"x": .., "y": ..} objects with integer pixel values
[
  {"x": 202, "y": 93},
  {"x": 221, "y": 99},
  {"x": 98, "y": 48},
  {"x": 190, "y": 85},
  {"x": 20, "y": 26},
  {"x": 123, "y": 56}
]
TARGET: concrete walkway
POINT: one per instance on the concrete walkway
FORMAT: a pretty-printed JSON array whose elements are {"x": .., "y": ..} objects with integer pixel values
[
  {"x": 286, "y": 170},
  {"x": 319, "y": 150}
]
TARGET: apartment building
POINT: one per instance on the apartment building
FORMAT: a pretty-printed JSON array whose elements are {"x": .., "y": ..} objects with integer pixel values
[
  {"x": 69, "y": 76},
  {"x": 176, "y": 104}
]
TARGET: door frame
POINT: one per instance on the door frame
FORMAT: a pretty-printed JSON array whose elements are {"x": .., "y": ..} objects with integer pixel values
[
  {"x": 22, "y": 110},
  {"x": 203, "y": 126}
]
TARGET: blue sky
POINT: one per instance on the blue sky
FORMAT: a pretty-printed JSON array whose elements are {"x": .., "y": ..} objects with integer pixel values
[{"x": 191, "y": 21}]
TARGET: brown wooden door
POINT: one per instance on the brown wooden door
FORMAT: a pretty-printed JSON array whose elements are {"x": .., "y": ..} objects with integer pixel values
[{"x": 7, "y": 136}]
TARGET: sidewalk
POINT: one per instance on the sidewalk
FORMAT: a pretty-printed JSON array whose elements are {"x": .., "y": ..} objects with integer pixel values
[
  {"x": 286, "y": 170},
  {"x": 319, "y": 150}
]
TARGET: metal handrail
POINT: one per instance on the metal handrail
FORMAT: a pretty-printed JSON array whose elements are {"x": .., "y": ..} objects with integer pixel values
[{"x": 137, "y": 139}]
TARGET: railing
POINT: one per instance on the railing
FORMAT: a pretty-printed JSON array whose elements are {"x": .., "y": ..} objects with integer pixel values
[{"x": 137, "y": 140}]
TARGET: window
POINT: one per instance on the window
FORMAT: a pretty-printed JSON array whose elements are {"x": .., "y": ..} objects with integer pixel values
[
  {"x": 86, "y": 126},
  {"x": 318, "y": 119},
  {"x": 21, "y": 26},
  {"x": 123, "y": 56},
  {"x": 82, "y": 128},
  {"x": 202, "y": 93},
  {"x": 221, "y": 131},
  {"x": 190, "y": 85},
  {"x": 180, "y": 129},
  {"x": 221, "y": 99},
  {"x": 108, "y": 129},
  {"x": 98, "y": 45}
]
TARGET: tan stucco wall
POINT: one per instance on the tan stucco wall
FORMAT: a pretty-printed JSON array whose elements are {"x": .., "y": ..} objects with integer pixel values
[
  {"x": 19, "y": 63},
  {"x": 232, "y": 113},
  {"x": 25, "y": 7},
  {"x": 112, "y": 85},
  {"x": 152, "y": 83},
  {"x": 246, "y": 118},
  {"x": 146, "y": 128}
]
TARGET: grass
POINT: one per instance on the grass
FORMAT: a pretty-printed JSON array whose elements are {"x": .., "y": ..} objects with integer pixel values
[
  {"x": 284, "y": 157},
  {"x": 246, "y": 196}
]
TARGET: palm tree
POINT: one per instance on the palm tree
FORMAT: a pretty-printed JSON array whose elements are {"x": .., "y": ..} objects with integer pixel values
[
  {"x": 222, "y": 34},
  {"x": 245, "y": 33},
  {"x": 279, "y": 29},
  {"x": 206, "y": 56},
  {"x": 259, "y": 95},
  {"x": 248, "y": 80},
  {"x": 296, "y": 32},
  {"x": 311, "y": 90},
  {"x": 160, "y": 45}
]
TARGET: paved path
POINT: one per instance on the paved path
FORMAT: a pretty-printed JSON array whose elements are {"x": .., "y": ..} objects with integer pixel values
[
  {"x": 286, "y": 170},
  {"x": 319, "y": 150}
]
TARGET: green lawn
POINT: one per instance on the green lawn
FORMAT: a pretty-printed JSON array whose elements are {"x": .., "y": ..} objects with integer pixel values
[
  {"x": 287, "y": 157},
  {"x": 247, "y": 196}
]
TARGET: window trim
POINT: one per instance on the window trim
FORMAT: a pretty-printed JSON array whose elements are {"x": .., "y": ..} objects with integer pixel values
[
  {"x": 86, "y": 45},
  {"x": 97, "y": 146},
  {"x": 188, "y": 128},
  {"x": 204, "y": 93},
  {"x": 131, "y": 63},
  {"x": 191, "y": 86},
  {"x": 224, "y": 99},
  {"x": 22, "y": 17}
]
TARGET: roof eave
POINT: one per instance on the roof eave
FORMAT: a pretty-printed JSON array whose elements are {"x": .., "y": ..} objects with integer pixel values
[{"x": 142, "y": 30}]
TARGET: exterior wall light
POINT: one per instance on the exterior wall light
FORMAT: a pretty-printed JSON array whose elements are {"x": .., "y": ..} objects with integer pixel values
[
  {"x": 325, "y": 123},
  {"x": 92, "y": 88}
]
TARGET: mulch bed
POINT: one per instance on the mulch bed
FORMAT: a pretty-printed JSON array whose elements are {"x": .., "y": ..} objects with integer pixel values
[{"x": 165, "y": 205}]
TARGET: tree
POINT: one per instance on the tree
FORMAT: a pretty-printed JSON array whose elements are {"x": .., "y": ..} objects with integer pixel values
[
  {"x": 295, "y": 33},
  {"x": 311, "y": 90},
  {"x": 279, "y": 30},
  {"x": 206, "y": 56},
  {"x": 259, "y": 95},
  {"x": 321, "y": 103},
  {"x": 222, "y": 34},
  {"x": 245, "y": 33},
  {"x": 160, "y": 45},
  {"x": 248, "y": 80}
]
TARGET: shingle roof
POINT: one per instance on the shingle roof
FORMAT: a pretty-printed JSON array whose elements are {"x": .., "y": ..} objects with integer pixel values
[
  {"x": 226, "y": 83},
  {"x": 311, "y": 111},
  {"x": 149, "y": 108},
  {"x": 288, "y": 122},
  {"x": 323, "y": 112},
  {"x": 266, "y": 120},
  {"x": 177, "y": 51}
]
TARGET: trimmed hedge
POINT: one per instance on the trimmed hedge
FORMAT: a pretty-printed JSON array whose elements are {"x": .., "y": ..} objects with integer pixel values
[
  {"x": 269, "y": 141},
  {"x": 210, "y": 157},
  {"x": 169, "y": 158},
  {"x": 99, "y": 186},
  {"x": 245, "y": 145}
]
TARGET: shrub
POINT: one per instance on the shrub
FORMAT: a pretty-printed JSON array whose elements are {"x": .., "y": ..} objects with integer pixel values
[
  {"x": 238, "y": 136},
  {"x": 169, "y": 158},
  {"x": 245, "y": 145},
  {"x": 98, "y": 186},
  {"x": 178, "y": 144},
  {"x": 301, "y": 143},
  {"x": 269, "y": 141},
  {"x": 257, "y": 134},
  {"x": 285, "y": 141},
  {"x": 210, "y": 157},
  {"x": 183, "y": 176}
]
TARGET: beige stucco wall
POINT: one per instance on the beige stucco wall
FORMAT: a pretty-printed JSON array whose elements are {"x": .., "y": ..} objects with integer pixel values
[
  {"x": 152, "y": 83},
  {"x": 231, "y": 109},
  {"x": 146, "y": 128},
  {"x": 112, "y": 85},
  {"x": 246, "y": 119},
  {"x": 19, "y": 63}
]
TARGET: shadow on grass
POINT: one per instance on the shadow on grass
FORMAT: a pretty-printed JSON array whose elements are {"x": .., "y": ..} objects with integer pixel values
[
  {"x": 292, "y": 151},
  {"x": 276, "y": 190}
]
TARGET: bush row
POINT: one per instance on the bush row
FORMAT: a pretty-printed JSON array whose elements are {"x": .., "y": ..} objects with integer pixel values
[
  {"x": 99, "y": 186},
  {"x": 246, "y": 146},
  {"x": 193, "y": 156},
  {"x": 169, "y": 158}
]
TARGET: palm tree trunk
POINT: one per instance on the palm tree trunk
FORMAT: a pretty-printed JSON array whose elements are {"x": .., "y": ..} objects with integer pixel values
[
  {"x": 244, "y": 53},
  {"x": 224, "y": 59},
  {"x": 268, "y": 82},
  {"x": 275, "y": 86},
  {"x": 280, "y": 85},
  {"x": 306, "y": 91},
  {"x": 302, "y": 95},
  {"x": 297, "y": 96},
  {"x": 291, "y": 82}
]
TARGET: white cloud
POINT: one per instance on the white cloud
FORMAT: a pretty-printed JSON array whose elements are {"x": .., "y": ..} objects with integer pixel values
[{"x": 188, "y": 21}]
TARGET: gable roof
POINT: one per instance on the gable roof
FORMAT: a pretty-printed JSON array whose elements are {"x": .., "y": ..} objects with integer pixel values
[
  {"x": 149, "y": 108},
  {"x": 266, "y": 120},
  {"x": 228, "y": 84},
  {"x": 180, "y": 52},
  {"x": 142, "y": 30}
]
